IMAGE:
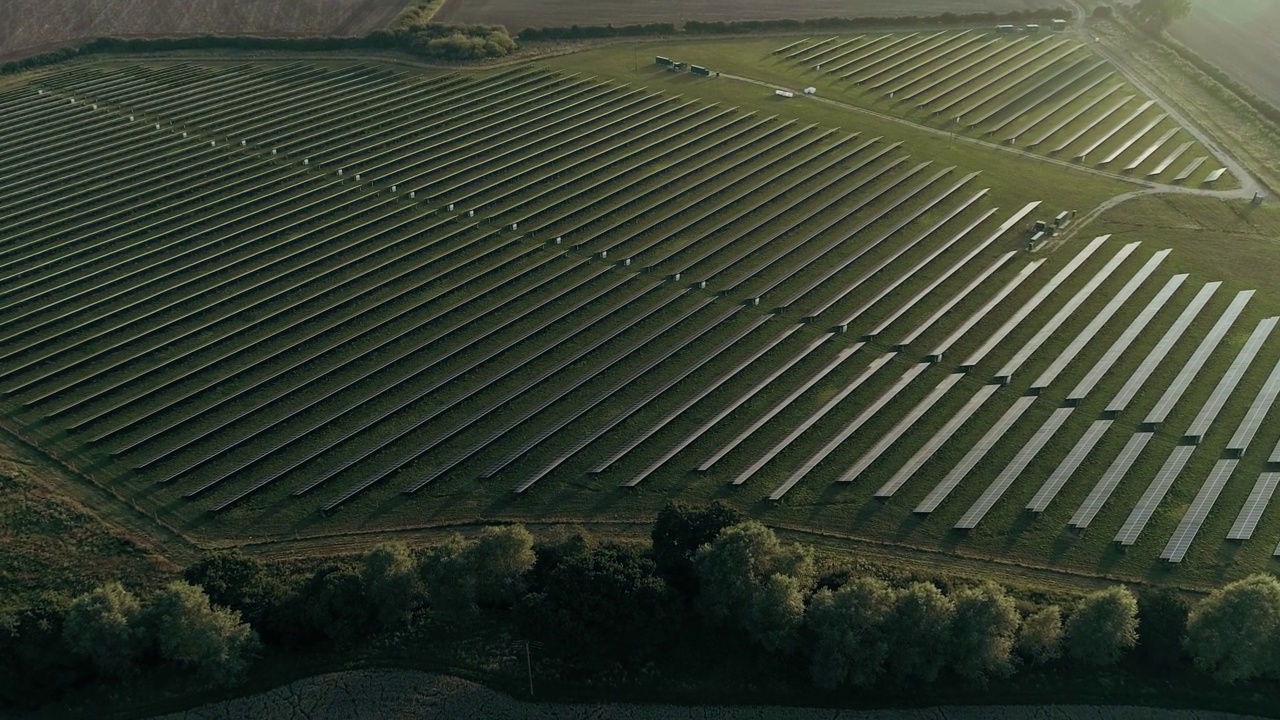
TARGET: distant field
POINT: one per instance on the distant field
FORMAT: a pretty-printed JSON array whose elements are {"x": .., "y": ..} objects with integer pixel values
[
  {"x": 518, "y": 14},
  {"x": 1239, "y": 37},
  {"x": 29, "y": 25}
]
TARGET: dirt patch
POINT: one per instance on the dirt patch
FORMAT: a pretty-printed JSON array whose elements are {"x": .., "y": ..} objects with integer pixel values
[
  {"x": 30, "y": 25},
  {"x": 392, "y": 694},
  {"x": 1239, "y": 37},
  {"x": 519, "y": 14}
]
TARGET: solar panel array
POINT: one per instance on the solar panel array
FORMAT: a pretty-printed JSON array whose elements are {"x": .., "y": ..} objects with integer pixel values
[
  {"x": 1122, "y": 343},
  {"x": 1159, "y": 487},
  {"x": 1107, "y": 483},
  {"x": 899, "y": 430},
  {"x": 1068, "y": 308},
  {"x": 1013, "y": 470},
  {"x": 1189, "y": 526},
  {"x": 1067, "y": 468},
  {"x": 1162, "y": 348},
  {"x": 1230, "y": 379},
  {"x": 975, "y": 455},
  {"x": 1247, "y": 521},
  {"x": 991, "y": 304},
  {"x": 1197, "y": 360},
  {"x": 1258, "y": 410},
  {"x": 867, "y": 413},
  {"x": 936, "y": 442},
  {"x": 1104, "y": 315},
  {"x": 813, "y": 418},
  {"x": 1034, "y": 302}
]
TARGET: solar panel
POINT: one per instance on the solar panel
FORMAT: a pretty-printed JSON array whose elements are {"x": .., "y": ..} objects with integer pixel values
[
  {"x": 1171, "y": 159},
  {"x": 1095, "y": 325},
  {"x": 689, "y": 402},
  {"x": 936, "y": 442},
  {"x": 1247, "y": 521},
  {"x": 992, "y": 303},
  {"x": 1079, "y": 113},
  {"x": 1257, "y": 412},
  {"x": 997, "y": 488},
  {"x": 1156, "y": 491},
  {"x": 1049, "y": 490},
  {"x": 901, "y": 279},
  {"x": 1229, "y": 380},
  {"x": 829, "y": 50},
  {"x": 1117, "y": 152},
  {"x": 1037, "y": 85},
  {"x": 1029, "y": 306},
  {"x": 1107, "y": 483},
  {"x": 1191, "y": 168},
  {"x": 901, "y": 428},
  {"x": 760, "y": 422},
  {"x": 1045, "y": 111},
  {"x": 837, "y": 267},
  {"x": 1089, "y": 126},
  {"x": 1126, "y": 339},
  {"x": 813, "y": 418},
  {"x": 1115, "y": 129},
  {"x": 1176, "y": 549},
  {"x": 975, "y": 454},
  {"x": 635, "y": 440},
  {"x": 1158, "y": 353},
  {"x": 1197, "y": 360},
  {"x": 952, "y": 72},
  {"x": 547, "y": 430},
  {"x": 935, "y": 53},
  {"x": 901, "y": 55},
  {"x": 804, "y": 50},
  {"x": 1215, "y": 176},
  {"x": 850, "y": 429},
  {"x": 1066, "y": 311},
  {"x": 1017, "y": 217},
  {"x": 738, "y": 402},
  {"x": 1142, "y": 157}
]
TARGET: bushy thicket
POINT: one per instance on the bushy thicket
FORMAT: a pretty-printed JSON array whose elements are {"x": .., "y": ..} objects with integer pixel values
[{"x": 711, "y": 585}]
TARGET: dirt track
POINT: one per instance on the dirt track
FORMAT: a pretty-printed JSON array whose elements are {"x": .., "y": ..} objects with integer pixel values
[
  {"x": 519, "y": 14},
  {"x": 32, "y": 25},
  {"x": 395, "y": 694}
]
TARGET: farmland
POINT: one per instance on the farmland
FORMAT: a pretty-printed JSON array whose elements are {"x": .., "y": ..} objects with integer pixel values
[
  {"x": 311, "y": 300},
  {"x": 516, "y": 15},
  {"x": 1237, "y": 36},
  {"x": 34, "y": 25}
]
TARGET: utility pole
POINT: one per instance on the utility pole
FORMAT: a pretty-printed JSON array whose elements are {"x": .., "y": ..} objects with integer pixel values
[{"x": 528, "y": 661}]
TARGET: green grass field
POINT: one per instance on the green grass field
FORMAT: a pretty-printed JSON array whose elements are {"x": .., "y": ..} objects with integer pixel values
[{"x": 348, "y": 299}]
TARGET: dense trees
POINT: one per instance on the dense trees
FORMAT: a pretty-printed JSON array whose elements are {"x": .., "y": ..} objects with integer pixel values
[
  {"x": 192, "y": 633},
  {"x": 1234, "y": 634},
  {"x": 105, "y": 627},
  {"x": 605, "y": 611},
  {"x": 848, "y": 627},
  {"x": 1040, "y": 636},
  {"x": 984, "y": 631},
  {"x": 680, "y": 530},
  {"x": 1103, "y": 626}
]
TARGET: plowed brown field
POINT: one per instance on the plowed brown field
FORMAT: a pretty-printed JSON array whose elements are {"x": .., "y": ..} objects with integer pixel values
[
  {"x": 33, "y": 25},
  {"x": 1240, "y": 37},
  {"x": 519, "y": 14}
]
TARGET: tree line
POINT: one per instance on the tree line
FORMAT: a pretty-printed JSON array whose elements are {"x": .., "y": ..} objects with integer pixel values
[{"x": 604, "y": 611}]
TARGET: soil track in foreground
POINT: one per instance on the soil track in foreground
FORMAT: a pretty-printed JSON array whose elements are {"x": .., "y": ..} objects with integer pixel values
[
  {"x": 27, "y": 26},
  {"x": 395, "y": 694},
  {"x": 519, "y": 14}
]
